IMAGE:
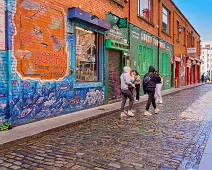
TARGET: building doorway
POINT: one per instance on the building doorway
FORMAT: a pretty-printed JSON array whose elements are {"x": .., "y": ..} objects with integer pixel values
[
  {"x": 114, "y": 68},
  {"x": 177, "y": 74}
]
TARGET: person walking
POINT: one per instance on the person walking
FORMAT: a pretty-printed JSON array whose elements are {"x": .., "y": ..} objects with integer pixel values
[
  {"x": 137, "y": 85},
  {"x": 126, "y": 86},
  {"x": 149, "y": 85},
  {"x": 159, "y": 85},
  {"x": 203, "y": 78}
]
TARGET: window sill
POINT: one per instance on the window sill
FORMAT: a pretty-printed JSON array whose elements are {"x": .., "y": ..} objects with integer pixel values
[
  {"x": 87, "y": 85},
  {"x": 148, "y": 22},
  {"x": 166, "y": 34},
  {"x": 119, "y": 3}
]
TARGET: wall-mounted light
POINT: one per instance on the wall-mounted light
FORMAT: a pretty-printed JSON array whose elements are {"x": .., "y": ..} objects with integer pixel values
[{"x": 180, "y": 29}]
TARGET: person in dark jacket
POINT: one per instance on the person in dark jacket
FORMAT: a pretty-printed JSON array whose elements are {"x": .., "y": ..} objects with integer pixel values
[
  {"x": 149, "y": 84},
  {"x": 203, "y": 77}
]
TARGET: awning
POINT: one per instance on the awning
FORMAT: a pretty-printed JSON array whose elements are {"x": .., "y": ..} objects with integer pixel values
[{"x": 78, "y": 14}]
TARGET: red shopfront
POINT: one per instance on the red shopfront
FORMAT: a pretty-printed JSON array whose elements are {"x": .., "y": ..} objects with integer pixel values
[
  {"x": 188, "y": 71},
  {"x": 192, "y": 71},
  {"x": 177, "y": 61}
]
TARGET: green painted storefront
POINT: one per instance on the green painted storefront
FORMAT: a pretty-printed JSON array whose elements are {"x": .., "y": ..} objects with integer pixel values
[
  {"x": 138, "y": 49},
  {"x": 117, "y": 49},
  {"x": 144, "y": 50}
]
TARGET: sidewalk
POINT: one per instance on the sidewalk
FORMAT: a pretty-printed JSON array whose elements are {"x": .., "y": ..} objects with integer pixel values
[
  {"x": 206, "y": 161},
  {"x": 38, "y": 129}
]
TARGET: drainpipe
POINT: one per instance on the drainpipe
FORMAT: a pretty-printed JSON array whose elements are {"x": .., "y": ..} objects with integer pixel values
[
  {"x": 130, "y": 16},
  {"x": 159, "y": 36},
  {"x": 9, "y": 55}
]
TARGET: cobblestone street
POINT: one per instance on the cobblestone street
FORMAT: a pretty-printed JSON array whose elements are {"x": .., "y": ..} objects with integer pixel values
[{"x": 173, "y": 139}]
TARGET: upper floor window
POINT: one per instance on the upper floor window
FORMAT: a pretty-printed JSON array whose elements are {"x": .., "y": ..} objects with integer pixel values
[
  {"x": 178, "y": 32},
  {"x": 184, "y": 36},
  {"x": 166, "y": 20},
  {"x": 145, "y": 9}
]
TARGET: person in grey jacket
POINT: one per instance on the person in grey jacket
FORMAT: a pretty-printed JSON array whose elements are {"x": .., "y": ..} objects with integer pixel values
[{"x": 126, "y": 84}]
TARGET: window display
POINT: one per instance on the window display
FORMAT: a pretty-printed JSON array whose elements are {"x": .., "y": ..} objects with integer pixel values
[{"x": 86, "y": 55}]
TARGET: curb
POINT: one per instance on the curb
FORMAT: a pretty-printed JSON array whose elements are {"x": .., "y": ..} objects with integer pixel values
[{"x": 34, "y": 135}]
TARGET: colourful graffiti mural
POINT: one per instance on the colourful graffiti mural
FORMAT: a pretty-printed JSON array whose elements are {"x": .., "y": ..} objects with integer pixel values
[
  {"x": 42, "y": 59},
  {"x": 39, "y": 42}
]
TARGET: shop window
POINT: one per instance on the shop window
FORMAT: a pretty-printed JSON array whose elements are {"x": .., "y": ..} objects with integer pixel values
[
  {"x": 166, "y": 20},
  {"x": 145, "y": 58},
  {"x": 165, "y": 64},
  {"x": 88, "y": 60},
  {"x": 145, "y": 9}
]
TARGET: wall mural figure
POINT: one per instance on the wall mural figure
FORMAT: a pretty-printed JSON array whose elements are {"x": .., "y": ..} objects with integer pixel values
[{"x": 39, "y": 43}]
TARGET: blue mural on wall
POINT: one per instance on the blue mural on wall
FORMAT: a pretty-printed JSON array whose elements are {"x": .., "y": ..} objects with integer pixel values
[
  {"x": 37, "y": 101},
  {"x": 33, "y": 100}
]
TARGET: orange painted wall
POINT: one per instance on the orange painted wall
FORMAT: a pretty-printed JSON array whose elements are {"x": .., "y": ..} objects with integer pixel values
[{"x": 40, "y": 40}]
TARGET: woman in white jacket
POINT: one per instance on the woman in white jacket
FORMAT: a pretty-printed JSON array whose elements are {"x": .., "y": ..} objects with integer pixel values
[{"x": 159, "y": 87}]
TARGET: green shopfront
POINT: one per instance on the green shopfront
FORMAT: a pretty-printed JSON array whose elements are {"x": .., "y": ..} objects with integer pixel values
[
  {"x": 144, "y": 50},
  {"x": 117, "y": 57}
]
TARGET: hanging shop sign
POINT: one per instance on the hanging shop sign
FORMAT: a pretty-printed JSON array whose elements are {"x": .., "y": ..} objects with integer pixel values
[
  {"x": 2, "y": 24},
  {"x": 122, "y": 23}
]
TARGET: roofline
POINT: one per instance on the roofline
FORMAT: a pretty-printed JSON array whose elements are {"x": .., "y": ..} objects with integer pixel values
[{"x": 185, "y": 17}]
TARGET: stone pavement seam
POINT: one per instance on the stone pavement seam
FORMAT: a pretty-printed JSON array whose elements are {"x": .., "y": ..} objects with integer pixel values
[{"x": 44, "y": 127}]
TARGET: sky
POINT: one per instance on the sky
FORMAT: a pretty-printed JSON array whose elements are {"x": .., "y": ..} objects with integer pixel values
[{"x": 199, "y": 14}]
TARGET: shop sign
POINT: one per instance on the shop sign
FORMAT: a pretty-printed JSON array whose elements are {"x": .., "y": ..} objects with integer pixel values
[
  {"x": 168, "y": 48},
  {"x": 2, "y": 24},
  {"x": 155, "y": 42},
  {"x": 116, "y": 35},
  {"x": 135, "y": 35},
  {"x": 146, "y": 38},
  {"x": 191, "y": 50},
  {"x": 163, "y": 45}
]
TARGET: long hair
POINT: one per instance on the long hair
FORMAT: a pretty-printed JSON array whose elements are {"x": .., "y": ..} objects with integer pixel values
[{"x": 136, "y": 72}]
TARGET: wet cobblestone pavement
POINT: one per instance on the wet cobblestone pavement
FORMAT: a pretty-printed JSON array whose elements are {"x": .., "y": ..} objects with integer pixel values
[{"x": 173, "y": 139}]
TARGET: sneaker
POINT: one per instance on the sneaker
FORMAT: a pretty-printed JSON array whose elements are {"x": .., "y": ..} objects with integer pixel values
[
  {"x": 130, "y": 113},
  {"x": 133, "y": 111},
  {"x": 137, "y": 100},
  {"x": 157, "y": 111},
  {"x": 147, "y": 113},
  {"x": 160, "y": 102},
  {"x": 123, "y": 115}
]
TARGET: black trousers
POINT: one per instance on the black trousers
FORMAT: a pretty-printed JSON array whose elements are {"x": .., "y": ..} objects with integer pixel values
[
  {"x": 137, "y": 88},
  {"x": 151, "y": 99}
]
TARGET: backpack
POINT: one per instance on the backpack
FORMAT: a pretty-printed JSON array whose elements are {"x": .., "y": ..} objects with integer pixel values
[{"x": 147, "y": 79}]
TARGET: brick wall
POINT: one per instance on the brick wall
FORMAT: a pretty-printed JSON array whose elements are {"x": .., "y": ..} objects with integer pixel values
[{"x": 37, "y": 36}]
